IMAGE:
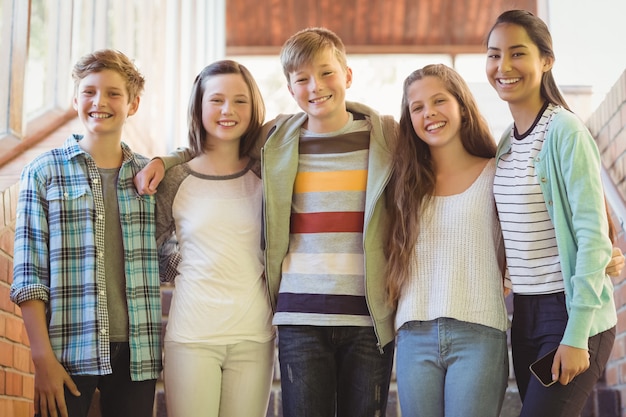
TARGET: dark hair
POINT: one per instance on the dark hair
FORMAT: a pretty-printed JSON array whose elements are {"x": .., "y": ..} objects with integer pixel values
[
  {"x": 112, "y": 60},
  {"x": 539, "y": 34},
  {"x": 197, "y": 133},
  {"x": 412, "y": 182}
]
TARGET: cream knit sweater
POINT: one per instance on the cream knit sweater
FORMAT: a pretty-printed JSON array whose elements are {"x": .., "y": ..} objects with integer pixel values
[{"x": 455, "y": 272}]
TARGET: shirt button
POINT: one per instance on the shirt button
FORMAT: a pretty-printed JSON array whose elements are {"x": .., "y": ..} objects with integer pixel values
[
  {"x": 101, "y": 254},
  {"x": 103, "y": 331},
  {"x": 66, "y": 195},
  {"x": 102, "y": 292},
  {"x": 96, "y": 180},
  {"x": 544, "y": 179},
  {"x": 100, "y": 217}
]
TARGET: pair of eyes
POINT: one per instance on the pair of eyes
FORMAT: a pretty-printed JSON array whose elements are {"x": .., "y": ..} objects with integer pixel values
[
  {"x": 93, "y": 92},
  {"x": 219, "y": 101},
  {"x": 304, "y": 79},
  {"x": 496, "y": 56},
  {"x": 437, "y": 101}
]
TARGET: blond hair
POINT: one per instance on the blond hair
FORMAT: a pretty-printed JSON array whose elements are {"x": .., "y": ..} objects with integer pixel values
[{"x": 302, "y": 47}]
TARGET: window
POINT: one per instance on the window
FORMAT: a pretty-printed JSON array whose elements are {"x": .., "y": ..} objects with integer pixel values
[
  {"x": 14, "y": 21},
  {"x": 39, "y": 59},
  {"x": 36, "y": 76},
  {"x": 170, "y": 42},
  {"x": 5, "y": 32}
]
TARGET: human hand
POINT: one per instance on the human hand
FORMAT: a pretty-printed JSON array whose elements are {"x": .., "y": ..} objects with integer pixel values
[
  {"x": 148, "y": 179},
  {"x": 569, "y": 362},
  {"x": 50, "y": 378},
  {"x": 615, "y": 266}
]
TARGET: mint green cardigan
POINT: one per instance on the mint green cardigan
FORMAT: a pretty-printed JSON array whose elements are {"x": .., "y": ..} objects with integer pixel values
[{"x": 568, "y": 171}]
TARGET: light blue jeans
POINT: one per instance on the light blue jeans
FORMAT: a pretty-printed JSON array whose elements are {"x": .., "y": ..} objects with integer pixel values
[{"x": 451, "y": 368}]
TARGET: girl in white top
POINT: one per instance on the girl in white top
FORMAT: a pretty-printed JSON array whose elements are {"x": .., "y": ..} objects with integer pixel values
[
  {"x": 445, "y": 266},
  {"x": 219, "y": 342}
]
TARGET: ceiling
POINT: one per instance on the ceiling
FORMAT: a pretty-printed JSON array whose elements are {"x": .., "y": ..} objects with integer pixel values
[{"x": 259, "y": 27}]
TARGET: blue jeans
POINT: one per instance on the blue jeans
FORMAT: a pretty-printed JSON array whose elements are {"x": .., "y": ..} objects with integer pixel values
[
  {"x": 333, "y": 371},
  {"x": 451, "y": 368},
  {"x": 538, "y": 326}
]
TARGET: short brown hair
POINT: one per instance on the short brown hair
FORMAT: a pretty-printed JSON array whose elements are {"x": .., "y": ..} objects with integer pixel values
[
  {"x": 112, "y": 60},
  {"x": 302, "y": 47}
]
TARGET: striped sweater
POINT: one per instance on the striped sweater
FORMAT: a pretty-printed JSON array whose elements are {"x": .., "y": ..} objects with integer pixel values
[{"x": 322, "y": 274}]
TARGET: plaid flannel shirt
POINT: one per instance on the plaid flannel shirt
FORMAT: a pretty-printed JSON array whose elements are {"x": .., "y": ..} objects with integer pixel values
[{"x": 58, "y": 258}]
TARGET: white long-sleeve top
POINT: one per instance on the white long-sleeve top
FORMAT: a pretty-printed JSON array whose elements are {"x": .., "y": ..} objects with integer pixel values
[{"x": 455, "y": 271}]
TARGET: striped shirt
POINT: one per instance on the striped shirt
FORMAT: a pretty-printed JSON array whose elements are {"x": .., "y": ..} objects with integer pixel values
[
  {"x": 323, "y": 280},
  {"x": 59, "y": 259},
  {"x": 531, "y": 251}
]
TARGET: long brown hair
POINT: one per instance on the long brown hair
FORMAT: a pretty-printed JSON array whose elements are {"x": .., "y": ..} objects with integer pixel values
[{"x": 412, "y": 182}]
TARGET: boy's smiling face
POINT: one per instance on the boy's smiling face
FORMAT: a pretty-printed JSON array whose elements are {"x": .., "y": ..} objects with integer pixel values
[
  {"x": 319, "y": 88},
  {"x": 103, "y": 103}
]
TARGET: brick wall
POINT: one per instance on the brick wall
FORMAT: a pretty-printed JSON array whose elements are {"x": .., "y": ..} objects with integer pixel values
[
  {"x": 16, "y": 368},
  {"x": 608, "y": 125}
]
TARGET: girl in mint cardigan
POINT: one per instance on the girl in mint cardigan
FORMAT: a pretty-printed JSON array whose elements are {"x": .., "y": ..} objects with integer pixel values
[{"x": 551, "y": 205}]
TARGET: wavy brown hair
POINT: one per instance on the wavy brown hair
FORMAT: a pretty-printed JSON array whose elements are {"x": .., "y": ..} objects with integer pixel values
[
  {"x": 110, "y": 59},
  {"x": 412, "y": 182}
]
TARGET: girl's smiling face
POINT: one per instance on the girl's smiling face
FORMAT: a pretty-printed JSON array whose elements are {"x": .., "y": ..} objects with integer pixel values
[
  {"x": 435, "y": 112},
  {"x": 515, "y": 66},
  {"x": 226, "y": 108}
]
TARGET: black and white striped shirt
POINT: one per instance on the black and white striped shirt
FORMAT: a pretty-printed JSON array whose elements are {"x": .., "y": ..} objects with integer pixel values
[{"x": 531, "y": 251}]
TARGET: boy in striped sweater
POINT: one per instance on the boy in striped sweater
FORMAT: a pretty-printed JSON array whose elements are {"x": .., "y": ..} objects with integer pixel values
[{"x": 324, "y": 175}]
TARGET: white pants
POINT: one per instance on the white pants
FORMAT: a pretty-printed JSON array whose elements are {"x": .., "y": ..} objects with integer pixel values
[{"x": 218, "y": 380}]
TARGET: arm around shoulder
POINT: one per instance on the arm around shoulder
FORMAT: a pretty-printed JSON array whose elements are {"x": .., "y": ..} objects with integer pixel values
[{"x": 148, "y": 179}]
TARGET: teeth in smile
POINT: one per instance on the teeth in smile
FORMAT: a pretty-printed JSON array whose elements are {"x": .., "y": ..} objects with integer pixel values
[
  {"x": 319, "y": 100},
  {"x": 509, "y": 80},
  {"x": 100, "y": 115},
  {"x": 436, "y": 126},
  {"x": 227, "y": 124}
]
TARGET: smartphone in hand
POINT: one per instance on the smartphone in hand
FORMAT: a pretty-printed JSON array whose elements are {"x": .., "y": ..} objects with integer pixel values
[{"x": 542, "y": 368}]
